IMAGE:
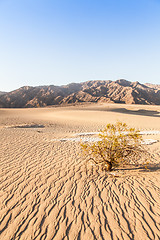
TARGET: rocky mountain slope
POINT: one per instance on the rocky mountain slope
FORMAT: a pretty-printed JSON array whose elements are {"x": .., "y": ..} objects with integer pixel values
[
  {"x": 155, "y": 86},
  {"x": 2, "y": 93},
  {"x": 120, "y": 91}
]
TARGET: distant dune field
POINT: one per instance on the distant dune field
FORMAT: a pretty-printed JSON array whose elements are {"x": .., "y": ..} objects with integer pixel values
[{"x": 47, "y": 191}]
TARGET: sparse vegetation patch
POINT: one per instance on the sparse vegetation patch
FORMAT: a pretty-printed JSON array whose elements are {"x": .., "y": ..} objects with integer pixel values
[{"x": 119, "y": 145}]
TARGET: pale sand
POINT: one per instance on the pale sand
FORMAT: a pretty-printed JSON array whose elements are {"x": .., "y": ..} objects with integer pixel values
[{"x": 48, "y": 192}]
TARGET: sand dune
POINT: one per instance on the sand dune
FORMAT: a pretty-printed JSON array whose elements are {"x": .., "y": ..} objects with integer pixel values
[{"x": 48, "y": 191}]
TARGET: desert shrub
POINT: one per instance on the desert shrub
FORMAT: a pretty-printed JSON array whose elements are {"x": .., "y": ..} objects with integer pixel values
[{"x": 118, "y": 145}]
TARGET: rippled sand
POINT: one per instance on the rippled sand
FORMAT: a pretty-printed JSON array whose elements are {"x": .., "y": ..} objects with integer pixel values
[{"x": 47, "y": 191}]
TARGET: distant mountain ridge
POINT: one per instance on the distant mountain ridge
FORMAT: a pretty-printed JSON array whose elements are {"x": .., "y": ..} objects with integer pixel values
[{"x": 119, "y": 91}]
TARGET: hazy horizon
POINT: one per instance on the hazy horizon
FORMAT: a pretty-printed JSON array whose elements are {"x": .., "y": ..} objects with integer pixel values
[{"x": 60, "y": 42}]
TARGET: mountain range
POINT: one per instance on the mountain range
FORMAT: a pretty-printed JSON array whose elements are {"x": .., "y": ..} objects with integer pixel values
[{"x": 120, "y": 91}]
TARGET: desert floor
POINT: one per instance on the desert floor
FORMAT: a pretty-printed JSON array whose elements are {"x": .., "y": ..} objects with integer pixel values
[{"x": 47, "y": 191}]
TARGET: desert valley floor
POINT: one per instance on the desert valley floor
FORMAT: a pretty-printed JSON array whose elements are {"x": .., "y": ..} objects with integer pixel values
[{"x": 48, "y": 191}]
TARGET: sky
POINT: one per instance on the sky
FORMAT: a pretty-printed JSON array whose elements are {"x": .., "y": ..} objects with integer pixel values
[{"x": 56, "y": 42}]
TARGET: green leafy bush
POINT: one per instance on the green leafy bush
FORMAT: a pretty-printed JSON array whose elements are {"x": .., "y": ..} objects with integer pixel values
[{"x": 118, "y": 145}]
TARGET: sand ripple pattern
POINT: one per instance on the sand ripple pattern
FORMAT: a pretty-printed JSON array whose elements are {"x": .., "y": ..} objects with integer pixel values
[{"x": 48, "y": 192}]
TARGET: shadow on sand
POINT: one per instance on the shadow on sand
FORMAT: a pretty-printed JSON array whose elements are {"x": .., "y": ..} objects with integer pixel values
[
  {"x": 141, "y": 112},
  {"x": 149, "y": 168},
  {"x": 29, "y": 126}
]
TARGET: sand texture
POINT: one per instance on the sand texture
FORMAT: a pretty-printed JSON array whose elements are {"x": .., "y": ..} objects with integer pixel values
[{"x": 48, "y": 191}]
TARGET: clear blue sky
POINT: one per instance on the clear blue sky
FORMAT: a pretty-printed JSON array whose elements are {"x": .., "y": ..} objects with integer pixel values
[{"x": 56, "y": 42}]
